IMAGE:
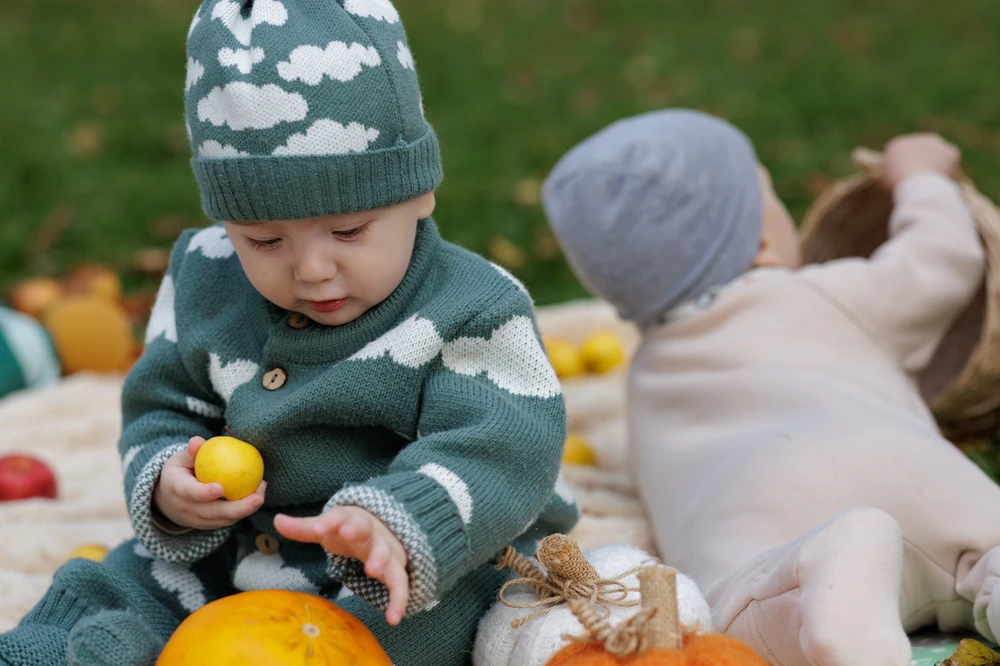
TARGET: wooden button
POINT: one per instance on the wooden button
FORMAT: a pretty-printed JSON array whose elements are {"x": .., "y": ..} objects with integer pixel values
[
  {"x": 298, "y": 320},
  {"x": 274, "y": 379},
  {"x": 266, "y": 544}
]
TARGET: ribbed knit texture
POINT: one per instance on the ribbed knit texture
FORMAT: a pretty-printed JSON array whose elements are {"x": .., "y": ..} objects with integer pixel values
[
  {"x": 72, "y": 625},
  {"x": 437, "y": 410},
  {"x": 113, "y": 638},
  {"x": 302, "y": 108}
]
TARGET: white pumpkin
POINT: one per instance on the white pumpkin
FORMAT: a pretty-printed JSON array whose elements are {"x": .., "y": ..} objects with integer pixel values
[{"x": 534, "y": 643}]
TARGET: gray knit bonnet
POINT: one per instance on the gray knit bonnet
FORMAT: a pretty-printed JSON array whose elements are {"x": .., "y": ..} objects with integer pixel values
[{"x": 657, "y": 209}]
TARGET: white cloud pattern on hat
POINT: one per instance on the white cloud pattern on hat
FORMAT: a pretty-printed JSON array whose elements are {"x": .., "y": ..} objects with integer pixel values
[
  {"x": 194, "y": 22},
  {"x": 309, "y": 64},
  {"x": 241, "y": 59},
  {"x": 405, "y": 56},
  {"x": 264, "y": 11},
  {"x": 243, "y": 105},
  {"x": 195, "y": 70},
  {"x": 328, "y": 137},
  {"x": 213, "y": 148},
  {"x": 376, "y": 9}
]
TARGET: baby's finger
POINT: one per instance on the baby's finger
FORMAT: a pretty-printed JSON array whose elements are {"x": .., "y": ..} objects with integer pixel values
[
  {"x": 329, "y": 522},
  {"x": 297, "y": 529},
  {"x": 194, "y": 444},
  {"x": 358, "y": 528},
  {"x": 183, "y": 458},
  {"x": 377, "y": 558},
  {"x": 229, "y": 512},
  {"x": 189, "y": 488},
  {"x": 398, "y": 584}
]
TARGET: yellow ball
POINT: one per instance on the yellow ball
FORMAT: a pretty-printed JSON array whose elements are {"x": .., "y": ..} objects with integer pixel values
[
  {"x": 564, "y": 357},
  {"x": 90, "y": 551},
  {"x": 231, "y": 462},
  {"x": 578, "y": 452},
  {"x": 602, "y": 351}
]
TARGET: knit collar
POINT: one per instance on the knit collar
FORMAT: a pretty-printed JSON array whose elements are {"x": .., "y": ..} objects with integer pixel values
[
  {"x": 322, "y": 344},
  {"x": 695, "y": 305}
]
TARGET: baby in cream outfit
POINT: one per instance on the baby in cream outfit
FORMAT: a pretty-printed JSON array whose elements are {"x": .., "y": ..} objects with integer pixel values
[{"x": 781, "y": 447}]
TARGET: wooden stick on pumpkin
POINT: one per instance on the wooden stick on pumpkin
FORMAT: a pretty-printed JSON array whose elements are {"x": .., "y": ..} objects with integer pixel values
[
  {"x": 658, "y": 586},
  {"x": 564, "y": 561}
]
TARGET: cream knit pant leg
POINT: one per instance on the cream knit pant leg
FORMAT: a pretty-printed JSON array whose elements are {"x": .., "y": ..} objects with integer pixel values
[
  {"x": 827, "y": 598},
  {"x": 981, "y": 586}
]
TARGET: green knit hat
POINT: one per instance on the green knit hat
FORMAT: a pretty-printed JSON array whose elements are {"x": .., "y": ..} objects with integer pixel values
[{"x": 302, "y": 108}]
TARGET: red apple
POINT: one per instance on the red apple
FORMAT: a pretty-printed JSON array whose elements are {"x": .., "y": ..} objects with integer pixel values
[{"x": 22, "y": 477}]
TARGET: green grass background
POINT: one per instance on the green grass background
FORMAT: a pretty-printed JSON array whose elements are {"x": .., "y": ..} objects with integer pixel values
[{"x": 94, "y": 159}]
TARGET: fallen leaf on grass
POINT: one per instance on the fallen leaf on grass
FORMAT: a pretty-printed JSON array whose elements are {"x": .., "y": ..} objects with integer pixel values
[
  {"x": 972, "y": 653},
  {"x": 506, "y": 253}
]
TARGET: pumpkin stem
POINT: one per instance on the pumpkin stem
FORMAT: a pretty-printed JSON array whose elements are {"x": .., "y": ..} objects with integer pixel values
[
  {"x": 564, "y": 561},
  {"x": 659, "y": 591},
  {"x": 525, "y": 568}
]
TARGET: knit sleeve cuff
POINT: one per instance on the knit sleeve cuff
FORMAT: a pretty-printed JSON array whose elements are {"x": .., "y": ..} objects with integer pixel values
[
  {"x": 189, "y": 546},
  {"x": 418, "y": 511},
  {"x": 925, "y": 183}
]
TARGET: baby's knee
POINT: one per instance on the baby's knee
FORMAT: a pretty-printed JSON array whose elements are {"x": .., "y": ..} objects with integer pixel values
[
  {"x": 869, "y": 518},
  {"x": 864, "y": 526}
]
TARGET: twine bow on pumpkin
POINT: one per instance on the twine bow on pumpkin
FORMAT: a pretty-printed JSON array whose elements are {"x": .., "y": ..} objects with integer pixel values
[
  {"x": 567, "y": 577},
  {"x": 628, "y": 637}
]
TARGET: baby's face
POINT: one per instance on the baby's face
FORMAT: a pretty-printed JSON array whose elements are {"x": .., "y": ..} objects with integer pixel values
[{"x": 335, "y": 268}]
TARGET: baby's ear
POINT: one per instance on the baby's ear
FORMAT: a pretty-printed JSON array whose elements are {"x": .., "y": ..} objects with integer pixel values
[
  {"x": 766, "y": 256},
  {"x": 425, "y": 205}
]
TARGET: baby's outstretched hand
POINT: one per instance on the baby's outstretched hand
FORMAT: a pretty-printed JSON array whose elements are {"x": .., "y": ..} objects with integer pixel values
[
  {"x": 353, "y": 532},
  {"x": 187, "y": 502},
  {"x": 912, "y": 153}
]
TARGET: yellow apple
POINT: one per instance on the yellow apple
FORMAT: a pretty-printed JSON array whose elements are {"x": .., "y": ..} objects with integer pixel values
[
  {"x": 231, "y": 462},
  {"x": 578, "y": 451},
  {"x": 90, "y": 551},
  {"x": 564, "y": 357},
  {"x": 602, "y": 351}
]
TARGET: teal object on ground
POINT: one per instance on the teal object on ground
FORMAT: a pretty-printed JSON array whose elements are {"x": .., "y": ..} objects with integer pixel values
[{"x": 27, "y": 356}]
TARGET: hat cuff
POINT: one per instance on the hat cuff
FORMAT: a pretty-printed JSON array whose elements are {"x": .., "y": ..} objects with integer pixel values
[{"x": 244, "y": 189}]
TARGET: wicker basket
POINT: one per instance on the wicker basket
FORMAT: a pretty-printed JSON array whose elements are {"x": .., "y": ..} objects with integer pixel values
[{"x": 962, "y": 382}]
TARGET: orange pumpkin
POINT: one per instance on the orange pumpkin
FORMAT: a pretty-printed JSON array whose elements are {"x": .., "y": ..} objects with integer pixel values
[
  {"x": 698, "y": 650},
  {"x": 665, "y": 644},
  {"x": 272, "y": 628}
]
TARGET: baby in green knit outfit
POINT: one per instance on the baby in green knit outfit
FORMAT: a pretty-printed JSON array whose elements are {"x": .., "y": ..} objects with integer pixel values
[{"x": 395, "y": 385}]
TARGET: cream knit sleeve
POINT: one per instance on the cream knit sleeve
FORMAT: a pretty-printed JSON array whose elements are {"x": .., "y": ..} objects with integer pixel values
[{"x": 914, "y": 286}]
